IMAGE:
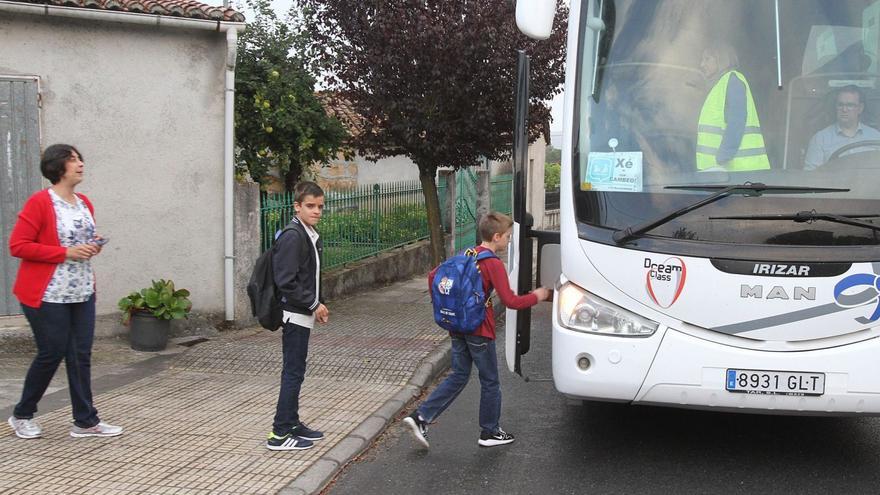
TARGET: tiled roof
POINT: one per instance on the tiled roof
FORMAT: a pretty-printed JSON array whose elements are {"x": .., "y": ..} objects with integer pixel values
[
  {"x": 341, "y": 108},
  {"x": 176, "y": 8}
]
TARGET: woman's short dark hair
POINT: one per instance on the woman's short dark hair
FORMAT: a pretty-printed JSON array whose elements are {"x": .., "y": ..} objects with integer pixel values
[{"x": 54, "y": 161}]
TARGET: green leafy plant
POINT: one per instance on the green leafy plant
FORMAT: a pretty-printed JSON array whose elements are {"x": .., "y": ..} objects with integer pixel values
[
  {"x": 161, "y": 300},
  {"x": 551, "y": 176}
]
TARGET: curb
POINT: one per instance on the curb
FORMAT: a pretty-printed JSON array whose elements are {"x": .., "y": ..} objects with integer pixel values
[{"x": 316, "y": 477}]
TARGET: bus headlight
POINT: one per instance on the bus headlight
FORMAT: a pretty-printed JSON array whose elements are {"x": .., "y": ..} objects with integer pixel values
[{"x": 579, "y": 310}]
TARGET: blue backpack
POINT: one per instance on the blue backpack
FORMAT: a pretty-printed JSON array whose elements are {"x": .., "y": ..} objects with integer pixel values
[{"x": 457, "y": 292}]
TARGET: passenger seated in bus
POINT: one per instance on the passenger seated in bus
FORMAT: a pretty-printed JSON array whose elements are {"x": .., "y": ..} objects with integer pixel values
[
  {"x": 848, "y": 128},
  {"x": 728, "y": 132}
]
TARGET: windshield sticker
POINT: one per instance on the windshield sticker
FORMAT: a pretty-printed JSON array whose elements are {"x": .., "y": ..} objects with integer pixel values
[
  {"x": 665, "y": 281},
  {"x": 613, "y": 172}
]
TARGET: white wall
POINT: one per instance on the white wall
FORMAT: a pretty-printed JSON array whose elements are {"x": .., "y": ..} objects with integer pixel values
[
  {"x": 346, "y": 174},
  {"x": 145, "y": 107},
  {"x": 392, "y": 169}
]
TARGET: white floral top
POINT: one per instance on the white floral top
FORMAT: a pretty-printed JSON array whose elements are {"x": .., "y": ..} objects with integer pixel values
[{"x": 73, "y": 281}]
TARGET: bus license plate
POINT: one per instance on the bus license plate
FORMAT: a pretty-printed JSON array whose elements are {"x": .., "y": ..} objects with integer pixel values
[{"x": 775, "y": 382}]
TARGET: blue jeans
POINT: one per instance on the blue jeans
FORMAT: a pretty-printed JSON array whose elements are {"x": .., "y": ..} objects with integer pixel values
[
  {"x": 295, "y": 348},
  {"x": 480, "y": 351},
  {"x": 61, "y": 331}
]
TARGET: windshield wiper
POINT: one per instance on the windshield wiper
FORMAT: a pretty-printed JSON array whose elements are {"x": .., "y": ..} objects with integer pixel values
[
  {"x": 748, "y": 188},
  {"x": 809, "y": 217}
]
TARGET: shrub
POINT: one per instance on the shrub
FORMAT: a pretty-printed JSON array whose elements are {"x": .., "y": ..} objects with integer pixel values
[
  {"x": 551, "y": 176},
  {"x": 161, "y": 300}
]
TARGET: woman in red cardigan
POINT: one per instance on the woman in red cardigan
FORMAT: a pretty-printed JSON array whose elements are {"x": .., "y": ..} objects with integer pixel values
[{"x": 55, "y": 239}]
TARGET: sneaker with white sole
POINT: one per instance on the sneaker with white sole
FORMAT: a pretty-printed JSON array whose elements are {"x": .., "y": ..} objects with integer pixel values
[
  {"x": 418, "y": 426},
  {"x": 287, "y": 442},
  {"x": 101, "y": 429},
  {"x": 500, "y": 437},
  {"x": 25, "y": 428},
  {"x": 303, "y": 431}
]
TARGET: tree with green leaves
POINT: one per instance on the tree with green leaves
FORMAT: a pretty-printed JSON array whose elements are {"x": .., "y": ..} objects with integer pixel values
[
  {"x": 279, "y": 122},
  {"x": 432, "y": 79},
  {"x": 551, "y": 176},
  {"x": 553, "y": 155}
]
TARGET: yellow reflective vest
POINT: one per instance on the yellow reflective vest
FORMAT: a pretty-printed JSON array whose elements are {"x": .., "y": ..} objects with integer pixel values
[{"x": 710, "y": 130}]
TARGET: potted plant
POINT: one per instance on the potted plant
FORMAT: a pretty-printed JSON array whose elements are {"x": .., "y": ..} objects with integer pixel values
[{"x": 150, "y": 312}]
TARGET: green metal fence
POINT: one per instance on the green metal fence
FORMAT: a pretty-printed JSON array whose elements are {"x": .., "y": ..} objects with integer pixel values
[
  {"x": 362, "y": 222},
  {"x": 502, "y": 193},
  {"x": 465, "y": 207},
  {"x": 500, "y": 200},
  {"x": 357, "y": 223}
]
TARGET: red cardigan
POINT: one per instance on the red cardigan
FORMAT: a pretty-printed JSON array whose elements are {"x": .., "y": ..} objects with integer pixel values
[{"x": 34, "y": 239}]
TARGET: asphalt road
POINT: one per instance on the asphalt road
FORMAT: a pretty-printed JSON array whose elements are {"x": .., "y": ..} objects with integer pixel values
[{"x": 613, "y": 448}]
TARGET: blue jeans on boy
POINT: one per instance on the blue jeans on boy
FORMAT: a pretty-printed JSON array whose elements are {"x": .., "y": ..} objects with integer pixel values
[
  {"x": 295, "y": 345},
  {"x": 61, "y": 331},
  {"x": 480, "y": 351}
]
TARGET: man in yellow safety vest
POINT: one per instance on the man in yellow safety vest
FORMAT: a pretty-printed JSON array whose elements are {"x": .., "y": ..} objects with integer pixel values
[{"x": 729, "y": 132}]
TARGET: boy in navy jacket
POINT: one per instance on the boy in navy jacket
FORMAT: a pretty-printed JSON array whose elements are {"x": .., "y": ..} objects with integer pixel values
[{"x": 296, "y": 263}]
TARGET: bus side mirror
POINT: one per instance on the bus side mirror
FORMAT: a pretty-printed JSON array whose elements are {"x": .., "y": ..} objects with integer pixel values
[{"x": 535, "y": 17}]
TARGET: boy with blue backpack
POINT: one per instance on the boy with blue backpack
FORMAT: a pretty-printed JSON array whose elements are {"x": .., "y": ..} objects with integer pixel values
[{"x": 455, "y": 305}]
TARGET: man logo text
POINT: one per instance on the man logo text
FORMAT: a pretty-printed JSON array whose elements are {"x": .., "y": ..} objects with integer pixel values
[{"x": 777, "y": 292}]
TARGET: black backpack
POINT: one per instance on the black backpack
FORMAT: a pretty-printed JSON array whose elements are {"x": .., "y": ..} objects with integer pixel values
[{"x": 261, "y": 289}]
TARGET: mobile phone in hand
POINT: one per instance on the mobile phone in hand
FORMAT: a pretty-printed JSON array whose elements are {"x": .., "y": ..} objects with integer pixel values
[{"x": 101, "y": 241}]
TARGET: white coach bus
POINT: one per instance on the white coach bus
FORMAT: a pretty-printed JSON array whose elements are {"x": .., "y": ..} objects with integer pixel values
[{"x": 747, "y": 282}]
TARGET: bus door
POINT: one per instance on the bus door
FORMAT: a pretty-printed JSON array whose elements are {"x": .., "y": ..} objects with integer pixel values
[
  {"x": 521, "y": 250},
  {"x": 521, "y": 259}
]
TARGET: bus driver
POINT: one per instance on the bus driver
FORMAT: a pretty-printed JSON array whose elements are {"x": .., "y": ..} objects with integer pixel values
[{"x": 848, "y": 129}]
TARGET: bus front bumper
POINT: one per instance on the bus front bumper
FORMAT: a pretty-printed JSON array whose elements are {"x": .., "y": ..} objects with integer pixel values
[{"x": 672, "y": 368}]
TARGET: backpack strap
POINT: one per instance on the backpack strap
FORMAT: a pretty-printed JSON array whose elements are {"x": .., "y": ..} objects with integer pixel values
[
  {"x": 305, "y": 245},
  {"x": 479, "y": 255},
  {"x": 281, "y": 233},
  {"x": 483, "y": 255}
]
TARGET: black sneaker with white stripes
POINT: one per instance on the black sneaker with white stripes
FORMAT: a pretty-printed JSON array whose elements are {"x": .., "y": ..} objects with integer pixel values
[
  {"x": 418, "y": 426},
  {"x": 500, "y": 437},
  {"x": 287, "y": 442},
  {"x": 303, "y": 431}
]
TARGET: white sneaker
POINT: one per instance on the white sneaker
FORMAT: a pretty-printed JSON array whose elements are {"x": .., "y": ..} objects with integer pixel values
[
  {"x": 418, "y": 426},
  {"x": 101, "y": 429},
  {"x": 500, "y": 437},
  {"x": 25, "y": 428}
]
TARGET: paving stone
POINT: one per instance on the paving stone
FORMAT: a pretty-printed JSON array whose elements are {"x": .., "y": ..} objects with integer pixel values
[
  {"x": 389, "y": 409},
  {"x": 200, "y": 425},
  {"x": 316, "y": 476},
  {"x": 370, "y": 428},
  {"x": 345, "y": 450}
]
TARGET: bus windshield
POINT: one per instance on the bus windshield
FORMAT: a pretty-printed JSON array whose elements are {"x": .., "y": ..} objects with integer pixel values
[{"x": 677, "y": 99}]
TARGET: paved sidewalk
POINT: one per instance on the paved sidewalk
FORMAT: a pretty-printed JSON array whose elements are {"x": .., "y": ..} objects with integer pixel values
[{"x": 198, "y": 424}]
